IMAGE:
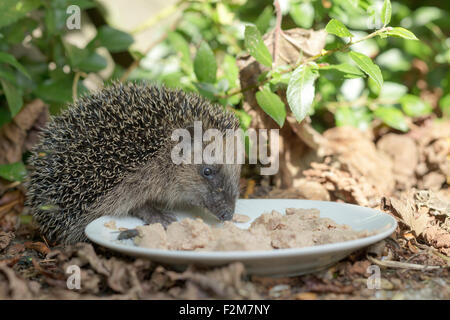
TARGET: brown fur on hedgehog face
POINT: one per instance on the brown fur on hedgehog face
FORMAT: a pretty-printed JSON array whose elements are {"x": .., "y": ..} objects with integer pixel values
[
  {"x": 214, "y": 187},
  {"x": 214, "y": 183}
]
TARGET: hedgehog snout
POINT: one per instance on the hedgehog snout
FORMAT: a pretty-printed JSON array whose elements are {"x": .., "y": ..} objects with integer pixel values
[
  {"x": 226, "y": 213},
  {"x": 221, "y": 207}
]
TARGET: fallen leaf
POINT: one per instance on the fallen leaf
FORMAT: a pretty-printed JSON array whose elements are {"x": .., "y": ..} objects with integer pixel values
[
  {"x": 37, "y": 246},
  {"x": 17, "y": 287},
  {"x": 5, "y": 239}
]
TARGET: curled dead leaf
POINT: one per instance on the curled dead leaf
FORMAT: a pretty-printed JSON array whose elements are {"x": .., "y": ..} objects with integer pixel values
[{"x": 5, "y": 239}]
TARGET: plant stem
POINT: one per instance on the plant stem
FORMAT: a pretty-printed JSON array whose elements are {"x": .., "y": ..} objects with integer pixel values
[
  {"x": 75, "y": 86},
  {"x": 276, "y": 34}
]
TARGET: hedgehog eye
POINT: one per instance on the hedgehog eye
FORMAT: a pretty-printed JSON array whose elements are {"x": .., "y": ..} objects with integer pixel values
[{"x": 207, "y": 172}]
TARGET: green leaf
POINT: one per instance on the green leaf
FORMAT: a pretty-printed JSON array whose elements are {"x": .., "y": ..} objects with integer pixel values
[
  {"x": 13, "y": 97},
  {"x": 13, "y": 10},
  {"x": 352, "y": 89},
  {"x": 205, "y": 66},
  {"x": 300, "y": 91},
  {"x": 348, "y": 70},
  {"x": 425, "y": 15},
  {"x": 10, "y": 59},
  {"x": 272, "y": 105},
  {"x": 366, "y": 64},
  {"x": 172, "y": 80},
  {"x": 16, "y": 32},
  {"x": 392, "y": 91},
  {"x": 58, "y": 90},
  {"x": 8, "y": 75},
  {"x": 84, "y": 59},
  {"x": 222, "y": 85},
  {"x": 207, "y": 90},
  {"x": 392, "y": 117},
  {"x": 444, "y": 104},
  {"x": 414, "y": 106},
  {"x": 263, "y": 21},
  {"x": 401, "y": 33},
  {"x": 231, "y": 71},
  {"x": 338, "y": 28},
  {"x": 281, "y": 80},
  {"x": 55, "y": 17},
  {"x": 394, "y": 59},
  {"x": 93, "y": 63},
  {"x": 5, "y": 116},
  {"x": 13, "y": 172},
  {"x": 112, "y": 39},
  {"x": 244, "y": 118},
  {"x": 302, "y": 14},
  {"x": 83, "y": 4},
  {"x": 386, "y": 12},
  {"x": 255, "y": 45},
  {"x": 223, "y": 14},
  {"x": 356, "y": 117},
  {"x": 181, "y": 46},
  {"x": 418, "y": 49}
]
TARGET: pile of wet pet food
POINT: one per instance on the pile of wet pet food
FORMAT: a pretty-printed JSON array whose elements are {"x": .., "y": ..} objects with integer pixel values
[{"x": 295, "y": 229}]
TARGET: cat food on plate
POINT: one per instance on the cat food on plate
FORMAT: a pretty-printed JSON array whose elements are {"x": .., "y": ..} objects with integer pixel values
[{"x": 295, "y": 229}]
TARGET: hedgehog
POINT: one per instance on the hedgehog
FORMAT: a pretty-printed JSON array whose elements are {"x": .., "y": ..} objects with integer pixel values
[{"x": 110, "y": 154}]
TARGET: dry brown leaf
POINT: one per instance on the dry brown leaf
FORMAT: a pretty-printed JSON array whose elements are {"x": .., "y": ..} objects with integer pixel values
[
  {"x": 21, "y": 133},
  {"x": 16, "y": 287},
  {"x": 86, "y": 254},
  {"x": 418, "y": 211},
  {"x": 305, "y": 296},
  {"x": 313, "y": 284},
  {"x": 37, "y": 246},
  {"x": 414, "y": 220},
  {"x": 222, "y": 283},
  {"x": 296, "y": 42},
  {"x": 438, "y": 237},
  {"x": 5, "y": 239},
  {"x": 432, "y": 201},
  {"x": 341, "y": 184},
  {"x": 355, "y": 150},
  {"x": 403, "y": 152}
]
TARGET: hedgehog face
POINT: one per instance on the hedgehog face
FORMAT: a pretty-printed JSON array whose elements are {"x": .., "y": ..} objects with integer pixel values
[
  {"x": 214, "y": 187},
  {"x": 223, "y": 184}
]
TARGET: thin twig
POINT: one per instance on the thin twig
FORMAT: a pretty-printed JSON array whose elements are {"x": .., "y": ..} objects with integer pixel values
[
  {"x": 13, "y": 185},
  {"x": 401, "y": 265},
  {"x": 75, "y": 85},
  {"x": 5, "y": 208},
  {"x": 440, "y": 255},
  {"x": 277, "y": 31}
]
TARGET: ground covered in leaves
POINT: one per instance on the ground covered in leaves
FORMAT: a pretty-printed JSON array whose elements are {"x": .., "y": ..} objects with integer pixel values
[{"x": 406, "y": 175}]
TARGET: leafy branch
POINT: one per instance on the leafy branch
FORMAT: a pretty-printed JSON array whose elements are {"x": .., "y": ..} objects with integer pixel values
[
  {"x": 306, "y": 61},
  {"x": 301, "y": 87}
]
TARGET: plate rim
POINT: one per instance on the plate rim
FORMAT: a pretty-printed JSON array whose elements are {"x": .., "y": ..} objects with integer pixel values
[{"x": 196, "y": 256}]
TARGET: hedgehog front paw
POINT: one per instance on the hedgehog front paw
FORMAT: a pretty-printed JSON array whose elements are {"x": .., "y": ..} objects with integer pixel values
[
  {"x": 152, "y": 215},
  {"x": 163, "y": 217}
]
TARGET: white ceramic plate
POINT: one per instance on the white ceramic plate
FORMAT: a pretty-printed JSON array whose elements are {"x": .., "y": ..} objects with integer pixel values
[{"x": 281, "y": 262}]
